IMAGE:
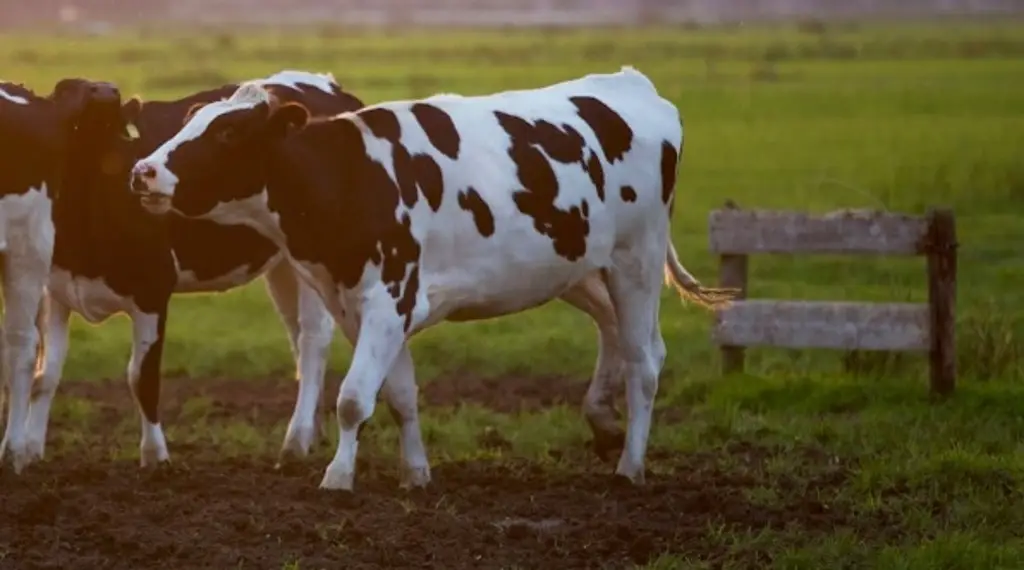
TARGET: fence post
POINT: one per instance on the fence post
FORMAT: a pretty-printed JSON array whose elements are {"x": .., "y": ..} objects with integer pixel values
[
  {"x": 732, "y": 272},
  {"x": 942, "y": 261}
]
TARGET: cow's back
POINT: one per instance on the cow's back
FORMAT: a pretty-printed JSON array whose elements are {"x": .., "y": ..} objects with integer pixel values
[{"x": 531, "y": 179}]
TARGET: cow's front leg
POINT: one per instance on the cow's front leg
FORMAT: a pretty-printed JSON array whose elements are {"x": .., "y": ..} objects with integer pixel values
[
  {"x": 24, "y": 279},
  {"x": 381, "y": 337},
  {"x": 402, "y": 398},
  {"x": 144, "y": 381}
]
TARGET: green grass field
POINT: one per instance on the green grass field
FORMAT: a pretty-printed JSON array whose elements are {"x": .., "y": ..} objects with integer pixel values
[{"x": 881, "y": 116}]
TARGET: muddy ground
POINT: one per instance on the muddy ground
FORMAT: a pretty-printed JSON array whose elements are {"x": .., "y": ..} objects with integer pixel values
[{"x": 83, "y": 509}]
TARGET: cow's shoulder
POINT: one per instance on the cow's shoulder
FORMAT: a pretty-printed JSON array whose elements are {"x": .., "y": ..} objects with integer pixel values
[{"x": 354, "y": 184}]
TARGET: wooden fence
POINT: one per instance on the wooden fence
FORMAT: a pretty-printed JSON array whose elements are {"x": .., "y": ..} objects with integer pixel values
[{"x": 735, "y": 233}]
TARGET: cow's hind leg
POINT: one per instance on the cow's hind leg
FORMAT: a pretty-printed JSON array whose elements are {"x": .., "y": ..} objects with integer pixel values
[
  {"x": 634, "y": 282},
  {"x": 144, "y": 381},
  {"x": 591, "y": 296},
  {"x": 55, "y": 351},
  {"x": 401, "y": 395},
  {"x": 310, "y": 329}
]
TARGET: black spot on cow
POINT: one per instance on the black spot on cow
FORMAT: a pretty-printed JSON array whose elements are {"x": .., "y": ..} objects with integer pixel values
[
  {"x": 439, "y": 128},
  {"x": 669, "y": 159},
  {"x": 405, "y": 175},
  {"x": 415, "y": 174},
  {"x": 400, "y": 249},
  {"x": 568, "y": 230},
  {"x": 613, "y": 133},
  {"x": 585, "y": 208},
  {"x": 564, "y": 144},
  {"x": 596, "y": 173},
  {"x": 431, "y": 182},
  {"x": 407, "y": 302},
  {"x": 470, "y": 201},
  {"x": 382, "y": 123},
  {"x": 628, "y": 194}
]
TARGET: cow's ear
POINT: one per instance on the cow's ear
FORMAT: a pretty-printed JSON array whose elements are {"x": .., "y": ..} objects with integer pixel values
[
  {"x": 284, "y": 118},
  {"x": 192, "y": 111},
  {"x": 131, "y": 110}
]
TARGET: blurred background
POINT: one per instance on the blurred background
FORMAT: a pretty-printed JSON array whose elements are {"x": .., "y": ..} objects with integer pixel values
[{"x": 98, "y": 15}]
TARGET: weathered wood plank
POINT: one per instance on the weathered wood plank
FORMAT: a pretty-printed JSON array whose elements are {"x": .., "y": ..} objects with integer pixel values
[
  {"x": 732, "y": 273},
  {"x": 836, "y": 325},
  {"x": 735, "y": 231},
  {"x": 942, "y": 261}
]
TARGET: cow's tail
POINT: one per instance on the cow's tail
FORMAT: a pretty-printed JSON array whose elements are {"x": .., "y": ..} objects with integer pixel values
[{"x": 689, "y": 288}]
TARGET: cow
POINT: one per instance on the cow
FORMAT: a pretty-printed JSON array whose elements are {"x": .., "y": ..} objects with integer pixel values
[
  {"x": 408, "y": 213},
  {"x": 34, "y": 133},
  {"x": 110, "y": 258}
]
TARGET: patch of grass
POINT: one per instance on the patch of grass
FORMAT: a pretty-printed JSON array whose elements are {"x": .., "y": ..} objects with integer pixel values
[{"x": 808, "y": 116}]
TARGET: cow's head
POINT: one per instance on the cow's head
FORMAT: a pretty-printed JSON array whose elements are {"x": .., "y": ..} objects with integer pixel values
[
  {"x": 80, "y": 100},
  {"x": 47, "y": 119},
  {"x": 218, "y": 156},
  {"x": 100, "y": 141}
]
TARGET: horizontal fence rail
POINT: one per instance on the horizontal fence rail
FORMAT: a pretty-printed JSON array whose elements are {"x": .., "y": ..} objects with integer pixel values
[{"x": 734, "y": 234}]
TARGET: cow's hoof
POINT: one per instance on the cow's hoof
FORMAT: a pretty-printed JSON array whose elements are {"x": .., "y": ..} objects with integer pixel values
[
  {"x": 153, "y": 456},
  {"x": 36, "y": 449},
  {"x": 337, "y": 480},
  {"x": 630, "y": 475},
  {"x": 298, "y": 441},
  {"x": 415, "y": 478},
  {"x": 16, "y": 456}
]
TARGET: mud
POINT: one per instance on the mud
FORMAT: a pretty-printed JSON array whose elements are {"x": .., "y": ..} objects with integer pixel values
[{"x": 83, "y": 509}]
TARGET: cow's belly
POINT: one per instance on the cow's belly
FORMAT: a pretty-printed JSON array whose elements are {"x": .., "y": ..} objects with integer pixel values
[
  {"x": 91, "y": 298},
  {"x": 214, "y": 258},
  {"x": 189, "y": 282},
  {"x": 490, "y": 280}
]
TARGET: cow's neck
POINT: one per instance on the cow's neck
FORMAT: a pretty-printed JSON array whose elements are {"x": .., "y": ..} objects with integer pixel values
[{"x": 95, "y": 213}]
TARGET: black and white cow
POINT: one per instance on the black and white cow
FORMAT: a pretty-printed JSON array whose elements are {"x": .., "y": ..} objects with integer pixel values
[
  {"x": 110, "y": 257},
  {"x": 409, "y": 213},
  {"x": 34, "y": 132}
]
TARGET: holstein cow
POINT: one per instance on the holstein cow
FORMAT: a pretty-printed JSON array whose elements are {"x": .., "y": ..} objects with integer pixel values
[
  {"x": 33, "y": 135},
  {"x": 409, "y": 213},
  {"x": 110, "y": 258}
]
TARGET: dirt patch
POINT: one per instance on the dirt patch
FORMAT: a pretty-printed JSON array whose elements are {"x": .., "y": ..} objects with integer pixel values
[
  {"x": 81, "y": 509},
  {"x": 221, "y": 513},
  {"x": 270, "y": 400},
  {"x": 508, "y": 394},
  {"x": 256, "y": 400}
]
